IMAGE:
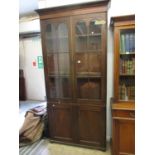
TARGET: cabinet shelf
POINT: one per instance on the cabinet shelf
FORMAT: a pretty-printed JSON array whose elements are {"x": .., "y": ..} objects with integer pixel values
[
  {"x": 130, "y": 101},
  {"x": 89, "y": 35},
  {"x": 89, "y": 76},
  {"x": 128, "y": 53},
  {"x": 59, "y": 52},
  {"x": 58, "y": 75},
  {"x": 126, "y": 75},
  {"x": 52, "y": 38},
  {"x": 89, "y": 51}
]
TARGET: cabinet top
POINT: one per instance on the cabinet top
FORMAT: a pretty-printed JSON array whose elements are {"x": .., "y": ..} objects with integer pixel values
[
  {"x": 67, "y": 10},
  {"x": 118, "y": 20}
]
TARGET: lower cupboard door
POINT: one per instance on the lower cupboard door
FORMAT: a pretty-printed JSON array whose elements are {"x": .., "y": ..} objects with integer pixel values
[
  {"x": 92, "y": 126},
  {"x": 60, "y": 123},
  {"x": 125, "y": 137}
]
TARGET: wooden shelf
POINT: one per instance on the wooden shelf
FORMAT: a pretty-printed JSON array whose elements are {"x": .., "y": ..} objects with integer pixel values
[
  {"x": 126, "y": 74},
  {"x": 128, "y": 53}
]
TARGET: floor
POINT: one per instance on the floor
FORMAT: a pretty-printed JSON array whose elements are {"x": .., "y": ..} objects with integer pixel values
[{"x": 45, "y": 147}]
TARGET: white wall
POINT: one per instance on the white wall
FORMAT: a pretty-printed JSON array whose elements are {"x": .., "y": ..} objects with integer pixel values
[
  {"x": 21, "y": 55},
  {"x": 117, "y": 8},
  {"x": 51, "y": 3},
  {"x": 29, "y": 23},
  {"x": 30, "y": 48}
]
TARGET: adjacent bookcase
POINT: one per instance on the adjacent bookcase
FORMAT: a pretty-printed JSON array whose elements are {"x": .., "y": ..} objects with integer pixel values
[{"x": 123, "y": 101}]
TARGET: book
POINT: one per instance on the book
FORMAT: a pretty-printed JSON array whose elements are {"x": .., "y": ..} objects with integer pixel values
[
  {"x": 122, "y": 43},
  {"x": 127, "y": 46},
  {"x": 122, "y": 91},
  {"x": 131, "y": 42}
]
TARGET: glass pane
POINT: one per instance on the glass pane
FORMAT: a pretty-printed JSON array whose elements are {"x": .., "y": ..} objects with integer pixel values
[
  {"x": 81, "y": 28},
  {"x": 64, "y": 65},
  {"x": 52, "y": 63},
  {"x": 127, "y": 88},
  {"x": 81, "y": 43},
  {"x": 94, "y": 27},
  {"x": 54, "y": 87},
  {"x": 127, "y": 64},
  {"x": 94, "y": 64},
  {"x": 127, "y": 41},
  {"x": 63, "y": 45},
  {"x": 95, "y": 88},
  {"x": 81, "y": 36},
  {"x": 65, "y": 87},
  {"x": 83, "y": 88},
  {"x": 82, "y": 63},
  {"x": 95, "y": 43},
  {"x": 50, "y": 37},
  {"x": 89, "y": 88}
]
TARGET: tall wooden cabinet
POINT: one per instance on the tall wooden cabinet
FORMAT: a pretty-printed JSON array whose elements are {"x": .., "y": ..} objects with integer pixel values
[
  {"x": 123, "y": 102},
  {"x": 74, "y": 51}
]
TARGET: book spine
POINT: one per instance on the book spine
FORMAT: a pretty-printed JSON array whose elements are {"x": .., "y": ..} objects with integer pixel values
[
  {"x": 122, "y": 43},
  {"x": 127, "y": 42},
  {"x": 132, "y": 42},
  {"x": 121, "y": 50}
]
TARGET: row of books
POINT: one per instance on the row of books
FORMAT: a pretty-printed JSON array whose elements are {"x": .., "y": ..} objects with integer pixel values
[
  {"x": 126, "y": 92},
  {"x": 127, "y": 66},
  {"x": 127, "y": 42}
]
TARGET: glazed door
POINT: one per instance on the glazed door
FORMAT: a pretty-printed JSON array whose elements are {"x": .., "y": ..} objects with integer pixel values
[
  {"x": 90, "y": 56},
  {"x": 125, "y": 63},
  {"x": 57, "y": 57}
]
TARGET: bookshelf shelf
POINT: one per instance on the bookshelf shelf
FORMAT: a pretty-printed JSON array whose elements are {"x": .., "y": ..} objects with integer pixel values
[
  {"x": 128, "y": 53},
  {"x": 127, "y": 74},
  {"x": 81, "y": 35},
  {"x": 95, "y": 35},
  {"x": 89, "y": 35}
]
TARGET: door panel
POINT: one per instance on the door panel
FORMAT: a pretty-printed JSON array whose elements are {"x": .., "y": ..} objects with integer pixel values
[
  {"x": 126, "y": 137},
  {"x": 60, "y": 117},
  {"x": 91, "y": 121}
]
